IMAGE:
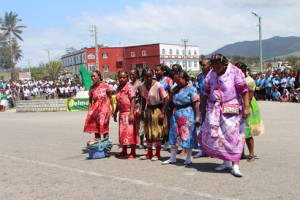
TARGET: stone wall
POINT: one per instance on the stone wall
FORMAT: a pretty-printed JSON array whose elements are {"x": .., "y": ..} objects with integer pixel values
[{"x": 53, "y": 105}]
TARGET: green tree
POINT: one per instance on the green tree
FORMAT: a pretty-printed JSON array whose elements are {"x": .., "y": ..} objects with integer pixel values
[
  {"x": 52, "y": 70},
  {"x": 11, "y": 30},
  {"x": 293, "y": 61},
  {"x": 38, "y": 73}
]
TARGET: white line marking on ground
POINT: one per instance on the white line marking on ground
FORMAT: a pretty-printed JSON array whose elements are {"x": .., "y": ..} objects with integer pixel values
[{"x": 134, "y": 181}]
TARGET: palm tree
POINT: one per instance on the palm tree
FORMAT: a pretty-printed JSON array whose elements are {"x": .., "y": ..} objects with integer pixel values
[
  {"x": 10, "y": 30},
  {"x": 16, "y": 50},
  {"x": 53, "y": 69}
]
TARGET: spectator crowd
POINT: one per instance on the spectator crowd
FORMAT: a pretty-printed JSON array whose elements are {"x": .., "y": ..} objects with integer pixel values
[
  {"x": 277, "y": 85},
  {"x": 12, "y": 91}
]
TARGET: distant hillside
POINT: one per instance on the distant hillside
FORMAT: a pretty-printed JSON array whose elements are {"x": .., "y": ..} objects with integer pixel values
[{"x": 273, "y": 47}]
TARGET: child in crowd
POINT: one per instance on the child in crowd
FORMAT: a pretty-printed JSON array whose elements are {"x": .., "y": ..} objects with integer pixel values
[
  {"x": 276, "y": 94},
  {"x": 285, "y": 96}
]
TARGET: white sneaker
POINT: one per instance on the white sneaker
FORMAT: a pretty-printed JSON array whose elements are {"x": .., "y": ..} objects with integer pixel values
[
  {"x": 167, "y": 162},
  {"x": 236, "y": 171},
  {"x": 225, "y": 165},
  {"x": 187, "y": 162}
]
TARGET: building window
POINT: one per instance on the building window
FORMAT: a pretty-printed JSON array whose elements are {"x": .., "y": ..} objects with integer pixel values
[
  {"x": 105, "y": 68},
  {"x": 177, "y": 52},
  {"x": 91, "y": 67},
  {"x": 170, "y": 52},
  {"x": 91, "y": 56},
  {"x": 190, "y": 64},
  {"x": 144, "y": 65},
  {"x": 183, "y": 52},
  {"x": 195, "y": 52},
  {"x": 163, "y": 51},
  {"x": 144, "y": 53},
  {"x": 196, "y": 64},
  {"x": 104, "y": 55},
  {"x": 133, "y": 66},
  {"x": 171, "y": 63},
  {"x": 189, "y": 52},
  {"x": 132, "y": 54}
]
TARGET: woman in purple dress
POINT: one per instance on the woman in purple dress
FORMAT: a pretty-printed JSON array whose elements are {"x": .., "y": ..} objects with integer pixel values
[{"x": 225, "y": 109}]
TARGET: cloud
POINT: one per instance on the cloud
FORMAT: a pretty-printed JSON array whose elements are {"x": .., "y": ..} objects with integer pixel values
[
  {"x": 210, "y": 24},
  {"x": 262, "y": 3}
]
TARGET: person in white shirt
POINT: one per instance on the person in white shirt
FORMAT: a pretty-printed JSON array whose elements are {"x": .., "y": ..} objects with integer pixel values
[
  {"x": 67, "y": 91},
  {"x": 52, "y": 92},
  {"x": 26, "y": 93}
]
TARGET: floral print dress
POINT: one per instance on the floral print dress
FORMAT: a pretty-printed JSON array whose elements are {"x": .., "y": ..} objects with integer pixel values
[
  {"x": 97, "y": 120},
  {"x": 182, "y": 127},
  {"x": 127, "y": 131}
]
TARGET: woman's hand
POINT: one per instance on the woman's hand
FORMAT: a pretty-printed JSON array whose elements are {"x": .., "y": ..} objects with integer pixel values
[
  {"x": 246, "y": 112},
  {"x": 131, "y": 118}
]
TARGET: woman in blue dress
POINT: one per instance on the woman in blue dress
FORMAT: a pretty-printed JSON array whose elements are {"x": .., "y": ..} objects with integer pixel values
[{"x": 185, "y": 118}]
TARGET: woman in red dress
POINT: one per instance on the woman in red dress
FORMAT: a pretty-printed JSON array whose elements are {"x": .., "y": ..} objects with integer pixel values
[
  {"x": 127, "y": 122},
  {"x": 97, "y": 120}
]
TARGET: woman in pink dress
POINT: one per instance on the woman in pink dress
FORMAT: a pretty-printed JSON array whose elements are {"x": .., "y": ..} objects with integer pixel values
[
  {"x": 225, "y": 109},
  {"x": 126, "y": 108},
  {"x": 97, "y": 120}
]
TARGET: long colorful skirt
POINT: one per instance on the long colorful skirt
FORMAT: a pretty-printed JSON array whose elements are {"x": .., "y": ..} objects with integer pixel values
[
  {"x": 153, "y": 129},
  {"x": 128, "y": 133}
]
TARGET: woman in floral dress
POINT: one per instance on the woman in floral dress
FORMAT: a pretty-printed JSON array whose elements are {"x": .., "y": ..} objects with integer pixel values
[
  {"x": 225, "y": 110},
  {"x": 100, "y": 107},
  {"x": 126, "y": 108},
  {"x": 185, "y": 118}
]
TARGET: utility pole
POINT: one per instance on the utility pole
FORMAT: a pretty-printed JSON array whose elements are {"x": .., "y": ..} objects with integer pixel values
[
  {"x": 29, "y": 65},
  {"x": 185, "y": 41},
  {"x": 260, "y": 41},
  {"x": 96, "y": 46},
  {"x": 48, "y": 51}
]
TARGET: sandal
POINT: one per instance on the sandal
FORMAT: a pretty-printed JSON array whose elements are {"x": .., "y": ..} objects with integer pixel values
[{"x": 250, "y": 158}]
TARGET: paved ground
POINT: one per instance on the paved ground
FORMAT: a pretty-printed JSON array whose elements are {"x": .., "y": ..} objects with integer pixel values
[{"x": 41, "y": 158}]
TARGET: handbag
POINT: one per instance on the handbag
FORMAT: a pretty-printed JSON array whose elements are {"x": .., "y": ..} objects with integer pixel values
[
  {"x": 232, "y": 109},
  {"x": 257, "y": 129}
]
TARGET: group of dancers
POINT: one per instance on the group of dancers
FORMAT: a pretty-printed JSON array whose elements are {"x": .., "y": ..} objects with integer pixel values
[{"x": 164, "y": 105}]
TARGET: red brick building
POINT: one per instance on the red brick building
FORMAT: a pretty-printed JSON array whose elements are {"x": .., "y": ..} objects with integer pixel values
[
  {"x": 113, "y": 59},
  {"x": 141, "y": 56},
  {"x": 110, "y": 59}
]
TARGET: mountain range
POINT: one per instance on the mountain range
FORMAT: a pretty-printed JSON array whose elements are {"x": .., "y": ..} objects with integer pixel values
[{"x": 272, "y": 47}]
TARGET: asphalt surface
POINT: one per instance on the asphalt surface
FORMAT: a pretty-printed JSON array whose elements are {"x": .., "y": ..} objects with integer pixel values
[{"x": 41, "y": 158}]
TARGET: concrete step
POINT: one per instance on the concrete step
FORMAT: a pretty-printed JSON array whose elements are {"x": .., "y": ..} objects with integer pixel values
[{"x": 53, "y": 105}]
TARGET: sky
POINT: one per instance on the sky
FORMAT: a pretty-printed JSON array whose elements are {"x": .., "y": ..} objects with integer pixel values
[{"x": 55, "y": 25}]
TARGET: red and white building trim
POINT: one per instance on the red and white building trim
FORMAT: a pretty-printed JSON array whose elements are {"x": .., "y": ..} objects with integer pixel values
[{"x": 113, "y": 59}]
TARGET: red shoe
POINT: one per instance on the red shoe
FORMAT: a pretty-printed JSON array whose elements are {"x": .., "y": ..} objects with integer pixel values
[
  {"x": 121, "y": 154},
  {"x": 145, "y": 157},
  {"x": 130, "y": 156},
  {"x": 155, "y": 158}
]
